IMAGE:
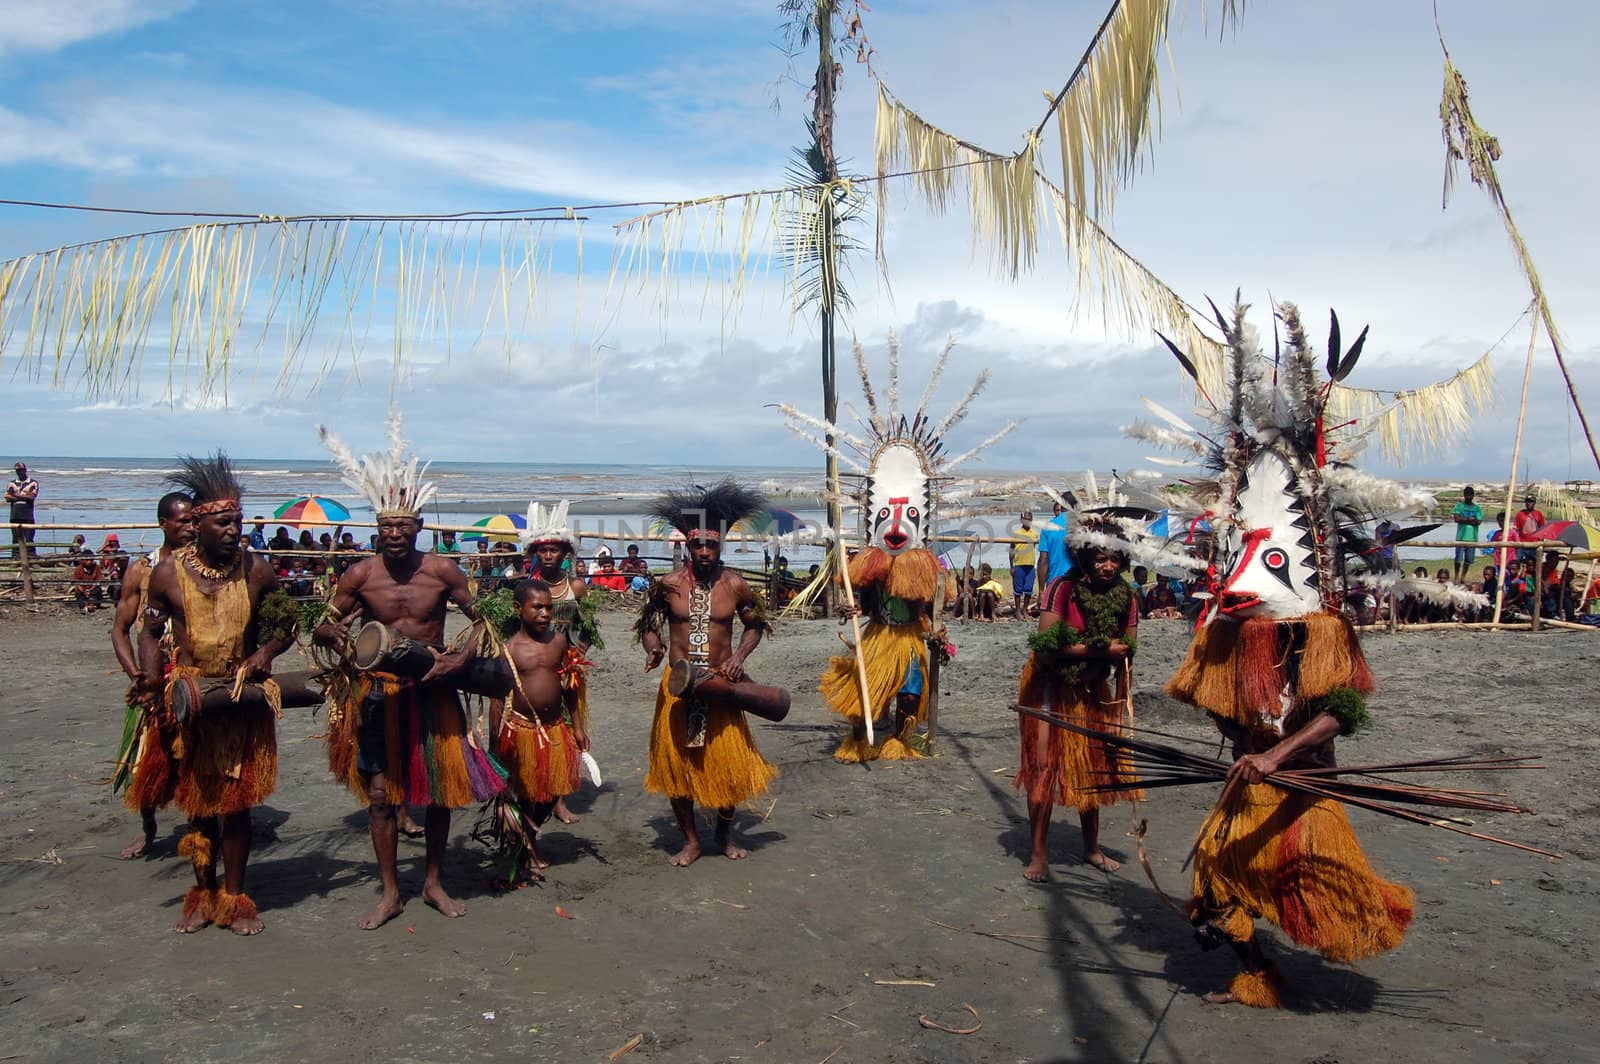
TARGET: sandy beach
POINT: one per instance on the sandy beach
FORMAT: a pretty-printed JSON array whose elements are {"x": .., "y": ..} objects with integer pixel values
[{"x": 858, "y": 877}]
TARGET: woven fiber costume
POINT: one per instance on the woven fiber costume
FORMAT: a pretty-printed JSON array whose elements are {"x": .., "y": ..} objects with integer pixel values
[
  {"x": 902, "y": 477},
  {"x": 701, "y": 748},
  {"x": 415, "y": 734},
  {"x": 1274, "y": 656}
]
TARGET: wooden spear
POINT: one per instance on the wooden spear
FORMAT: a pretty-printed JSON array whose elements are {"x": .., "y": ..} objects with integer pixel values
[{"x": 855, "y": 630}]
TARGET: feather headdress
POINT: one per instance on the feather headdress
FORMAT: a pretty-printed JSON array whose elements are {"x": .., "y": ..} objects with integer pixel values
[
  {"x": 716, "y": 509},
  {"x": 1288, "y": 506},
  {"x": 897, "y": 458},
  {"x": 389, "y": 480},
  {"x": 548, "y": 525},
  {"x": 210, "y": 482}
]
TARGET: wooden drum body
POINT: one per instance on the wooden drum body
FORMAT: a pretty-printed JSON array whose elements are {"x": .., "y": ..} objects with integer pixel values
[
  {"x": 686, "y": 680},
  {"x": 377, "y": 646}
]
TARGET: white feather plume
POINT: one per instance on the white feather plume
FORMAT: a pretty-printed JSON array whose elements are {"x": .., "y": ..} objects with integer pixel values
[{"x": 389, "y": 481}]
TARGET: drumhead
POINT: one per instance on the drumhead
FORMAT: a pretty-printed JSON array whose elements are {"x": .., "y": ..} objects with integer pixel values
[
  {"x": 370, "y": 646},
  {"x": 185, "y": 698},
  {"x": 680, "y": 677}
]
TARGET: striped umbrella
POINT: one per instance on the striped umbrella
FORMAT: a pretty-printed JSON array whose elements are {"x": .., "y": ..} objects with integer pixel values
[
  {"x": 1572, "y": 533},
  {"x": 501, "y": 528},
  {"x": 312, "y": 508}
]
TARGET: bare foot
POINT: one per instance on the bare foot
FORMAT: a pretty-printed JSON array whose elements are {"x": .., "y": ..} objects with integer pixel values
[
  {"x": 192, "y": 921},
  {"x": 563, "y": 814},
  {"x": 1221, "y": 997},
  {"x": 405, "y": 825},
  {"x": 388, "y": 908},
  {"x": 434, "y": 895},
  {"x": 247, "y": 925},
  {"x": 1038, "y": 871},
  {"x": 686, "y": 856},
  {"x": 137, "y": 847},
  {"x": 730, "y": 849},
  {"x": 1102, "y": 862}
]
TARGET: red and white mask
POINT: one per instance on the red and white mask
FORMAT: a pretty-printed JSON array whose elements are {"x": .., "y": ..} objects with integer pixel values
[
  {"x": 897, "y": 499},
  {"x": 1268, "y": 554}
]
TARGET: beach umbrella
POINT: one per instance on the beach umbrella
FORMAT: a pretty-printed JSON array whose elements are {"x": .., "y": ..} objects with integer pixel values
[
  {"x": 1162, "y": 528},
  {"x": 501, "y": 528},
  {"x": 1572, "y": 533},
  {"x": 312, "y": 508}
]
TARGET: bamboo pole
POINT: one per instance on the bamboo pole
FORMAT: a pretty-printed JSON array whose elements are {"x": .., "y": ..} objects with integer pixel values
[
  {"x": 1516, "y": 456},
  {"x": 26, "y": 550},
  {"x": 855, "y": 629},
  {"x": 935, "y": 654}
]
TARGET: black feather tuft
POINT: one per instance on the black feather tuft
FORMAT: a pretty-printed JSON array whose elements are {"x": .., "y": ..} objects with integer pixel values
[
  {"x": 1334, "y": 349},
  {"x": 206, "y": 479},
  {"x": 1350, "y": 357},
  {"x": 1183, "y": 359},
  {"x": 717, "y": 508},
  {"x": 1222, "y": 322}
]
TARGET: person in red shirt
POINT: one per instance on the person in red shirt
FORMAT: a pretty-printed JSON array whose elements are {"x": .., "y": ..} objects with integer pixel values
[{"x": 1527, "y": 521}]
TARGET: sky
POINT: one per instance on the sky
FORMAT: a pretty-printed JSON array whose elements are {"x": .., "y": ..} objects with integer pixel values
[{"x": 1299, "y": 158}]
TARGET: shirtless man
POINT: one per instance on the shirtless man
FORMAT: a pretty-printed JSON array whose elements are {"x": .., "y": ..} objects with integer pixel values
[
  {"x": 149, "y": 738},
  {"x": 543, "y": 758},
  {"x": 701, "y": 750},
  {"x": 213, "y": 594},
  {"x": 408, "y": 590}
]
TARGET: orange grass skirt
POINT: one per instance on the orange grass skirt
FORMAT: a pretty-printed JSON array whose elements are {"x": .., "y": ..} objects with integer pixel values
[
  {"x": 1058, "y": 765},
  {"x": 541, "y": 770},
  {"x": 1294, "y": 861}
]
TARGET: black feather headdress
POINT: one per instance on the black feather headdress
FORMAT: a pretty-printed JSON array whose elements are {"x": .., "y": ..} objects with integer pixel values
[
  {"x": 207, "y": 480},
  {"x": 715, "y": 509}
]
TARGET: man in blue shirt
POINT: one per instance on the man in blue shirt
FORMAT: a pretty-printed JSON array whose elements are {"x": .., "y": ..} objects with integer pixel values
[
  {"x": 258, "y": 535},
  {"x": 1054, "y": 561}
]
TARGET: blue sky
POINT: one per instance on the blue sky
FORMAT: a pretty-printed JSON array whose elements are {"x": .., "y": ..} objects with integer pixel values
[{"x": 1300, "y": 156}]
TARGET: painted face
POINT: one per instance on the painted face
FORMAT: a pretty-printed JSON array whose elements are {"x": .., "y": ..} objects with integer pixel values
[
  {"x": 897, "y": 499},
  {"x": 1267, "y": 554}
]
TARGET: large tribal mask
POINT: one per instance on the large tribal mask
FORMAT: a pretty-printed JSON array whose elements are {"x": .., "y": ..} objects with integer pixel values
[
  {"x": 1267, "y": 554},
  {"x": 899, "y": 498}
]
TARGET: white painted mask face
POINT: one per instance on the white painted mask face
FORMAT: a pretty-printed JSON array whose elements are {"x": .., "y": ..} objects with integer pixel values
[
  {"x": 897, "y": 499},
  {"x": 1267, "y": 555}
]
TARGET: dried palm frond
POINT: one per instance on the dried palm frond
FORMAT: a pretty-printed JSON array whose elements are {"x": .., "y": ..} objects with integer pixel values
[
  {"x": 1559, "y": 504},
  {"x": 1417, "y": 421}
]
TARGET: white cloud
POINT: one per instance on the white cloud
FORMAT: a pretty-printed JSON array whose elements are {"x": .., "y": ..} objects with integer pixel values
[{"x": 51, "y": 25}]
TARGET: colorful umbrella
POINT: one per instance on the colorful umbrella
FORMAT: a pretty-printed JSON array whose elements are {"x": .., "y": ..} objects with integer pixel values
[
  {"x": 312, "y": 508},
  {"x": 501, "y": 528},
  {"x": 1572, "y": 533}
]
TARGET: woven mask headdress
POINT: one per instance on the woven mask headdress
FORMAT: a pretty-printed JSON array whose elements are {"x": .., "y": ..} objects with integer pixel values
[
  {"x": 390, "y": 481},
  {"x": 902, "y": 473}
]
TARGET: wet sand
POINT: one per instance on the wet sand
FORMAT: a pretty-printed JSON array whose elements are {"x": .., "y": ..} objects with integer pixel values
[{"x": 857, "y": 874}]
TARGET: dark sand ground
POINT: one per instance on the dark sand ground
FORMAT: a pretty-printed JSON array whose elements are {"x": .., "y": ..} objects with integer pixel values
[{"x": 853, "y": 873}]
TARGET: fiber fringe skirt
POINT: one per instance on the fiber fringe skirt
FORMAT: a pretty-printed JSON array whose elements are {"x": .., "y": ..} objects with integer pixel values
[
  {"x": 1059, "y": 765},
  {"x": 724, "y": 772}
]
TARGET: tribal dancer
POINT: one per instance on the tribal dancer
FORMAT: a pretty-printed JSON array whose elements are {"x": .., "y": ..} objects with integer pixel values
[
  {"x": 701, "y": 749},
  {"x": 391, "y": 739},
  {"x": 903, "y": 478},
  {"x": 551, "y": 545},
  {"x": 1277, "y": 665},
  {"x": 229, "y": 619},
  {"x": 539, "y": 736},
  {"x": 1080, "y": 670},
  {"x": 145, "y": 769}
]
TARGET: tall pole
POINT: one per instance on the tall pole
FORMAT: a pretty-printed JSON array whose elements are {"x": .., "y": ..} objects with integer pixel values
[{"x": 822, "y": 120}]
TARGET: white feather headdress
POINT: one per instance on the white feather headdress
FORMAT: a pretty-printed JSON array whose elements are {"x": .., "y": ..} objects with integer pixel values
[
  {"x": 388, "y": 480},
  {"x": 548, "y": 525}
]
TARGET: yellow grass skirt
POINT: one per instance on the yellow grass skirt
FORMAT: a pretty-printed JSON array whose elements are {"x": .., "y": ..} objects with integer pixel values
[
  {"x": 724, "y": 772},
  {"x": 1058, "y": 765},
  {"x": 889, "y": 652},
  {"x": 1295, "y": 861},
  {"x": 541, "y": 769}
]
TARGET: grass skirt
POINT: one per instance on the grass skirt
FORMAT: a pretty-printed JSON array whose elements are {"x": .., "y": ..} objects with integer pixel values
[
  {"x": 1057, "y": 764},
  {"x": 724, "y": 772},
  {"x": 416, "y": 736},
  {"x": 147, "y": 771},
  {"x": 540, "y": 771},
  {"x": 889, "y": 651},
  {"x": 227, "y": 762},
  {"x": 1295, "y": 861}
]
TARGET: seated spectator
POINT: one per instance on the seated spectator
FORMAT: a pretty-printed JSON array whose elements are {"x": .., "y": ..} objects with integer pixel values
[
  {"x": 1413, "y": 607},
  {"x": 305, "y": 542},
  {"x": 1141, "y": 577},
  {"x": 608, "y": 577},
  {"x": 966, "y": 585},
  {"x": 86, "y": 590},
  {"x": 1160, "y": 601},
  {"x": 79, "y": 546},
  {"x": 1516, "y": 590},
  {"x": 987, "y": 595},
  {"x": 280, "y": 540},
  {"x": 1442, "y": 611}
]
